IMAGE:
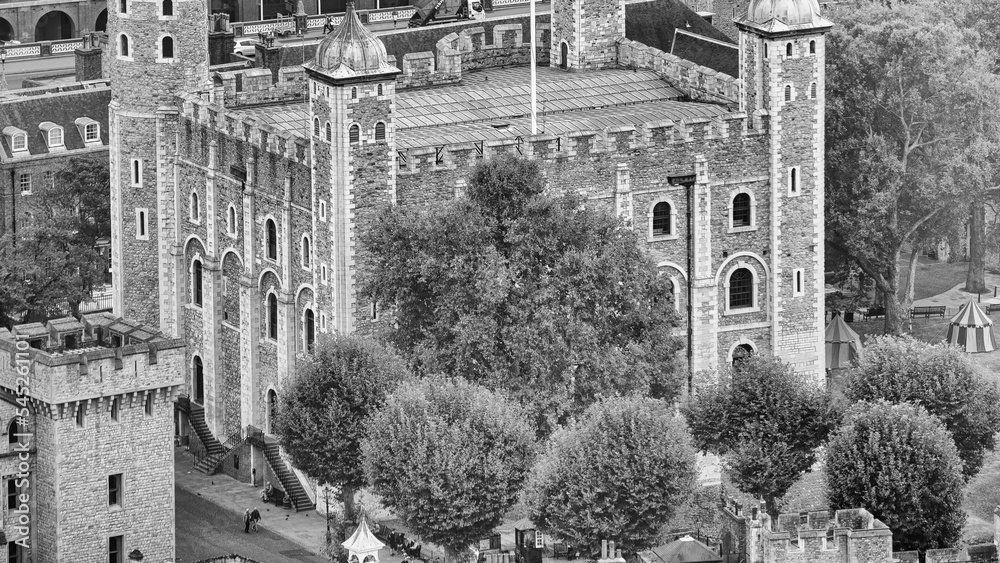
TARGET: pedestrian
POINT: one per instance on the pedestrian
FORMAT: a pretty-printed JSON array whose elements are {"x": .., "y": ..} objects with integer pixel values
[
  {"x": 254, "y": 518},
  {"x": 246, "y": 521},
  {"x": 328, "y": 26}
]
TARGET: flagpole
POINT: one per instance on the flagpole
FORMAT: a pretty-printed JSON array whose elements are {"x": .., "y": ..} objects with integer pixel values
[{"x": 534, "y": 119}]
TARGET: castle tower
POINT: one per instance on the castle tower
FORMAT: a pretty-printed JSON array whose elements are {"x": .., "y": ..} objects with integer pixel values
[
  {"x": 351, "y": 102},
  {"x": 585, "y": 33},
  {"x": 157, "y": 49},
  {"x": 782, "y": 62}
]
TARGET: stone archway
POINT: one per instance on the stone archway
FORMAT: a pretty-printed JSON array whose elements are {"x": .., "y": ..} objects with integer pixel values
[
  {"x": 6, "y": 30},
  {"x": 102, "y": 21},
  {"x": 53, "y": 26}
]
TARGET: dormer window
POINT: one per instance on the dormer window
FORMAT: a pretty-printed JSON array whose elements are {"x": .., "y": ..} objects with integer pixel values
[
  {"x": 18, "y": 139},
  {"x": 90, "y": 130},
  {"x": 53, "y": 134}
]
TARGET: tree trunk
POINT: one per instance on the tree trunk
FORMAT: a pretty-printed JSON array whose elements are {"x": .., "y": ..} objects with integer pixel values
[
  {"x": 347, "y": 497},
  {"x": 975, "y": 278},
  {"x": 771, "y": 506},
  {"x": 895, "y": 312},
  {"x": 911, "y": 276}
]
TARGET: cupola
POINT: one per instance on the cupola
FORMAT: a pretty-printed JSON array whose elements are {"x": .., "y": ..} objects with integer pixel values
[
  {"x": 784, "y": 15},
  {"x": 351, "y": 51}
]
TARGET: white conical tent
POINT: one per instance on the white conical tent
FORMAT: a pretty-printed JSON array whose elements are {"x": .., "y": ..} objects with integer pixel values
[
  {"x": 363, "y": 546},
  {"x": 971, "y": 330},
  {"x": 843, "y": 345}
]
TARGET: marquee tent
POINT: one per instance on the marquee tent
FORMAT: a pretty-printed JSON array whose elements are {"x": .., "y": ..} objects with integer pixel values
[
  {"x": 843, "y": 345},
  {"x": 971, "y": 330}
]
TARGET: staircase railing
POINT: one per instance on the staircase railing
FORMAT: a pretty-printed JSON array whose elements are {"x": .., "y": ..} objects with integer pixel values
[
  {"x": 281, "y": 471},
  {"x": 233, "y": 441}
]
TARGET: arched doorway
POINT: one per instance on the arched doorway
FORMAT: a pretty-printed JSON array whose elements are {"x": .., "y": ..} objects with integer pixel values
[
  {"x": 272, "y": 410},
  {"x": 102, "y": 21},
  {"x": 6, "y": 30},
  {"x": 54, "y": 26},
  {"x": 563, "y": 55},
  {"x": 742, "y": 352},
  {"x": 199, "y": 381}
]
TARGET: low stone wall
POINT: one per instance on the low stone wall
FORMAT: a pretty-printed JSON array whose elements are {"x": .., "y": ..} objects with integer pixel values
[
  {"x": 257, "y": 86},
  {"x": 233, "y": 558}
]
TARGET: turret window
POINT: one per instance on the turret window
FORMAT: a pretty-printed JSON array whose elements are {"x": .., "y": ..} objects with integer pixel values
[
  {"x": 136, "y": 172},
  {"x": 812, "y": 47},
  {"x": 272, "y": 240},
  {"x": 194, "y": 210},
  {"x": 123, "y": 46},
  {"x": 380, "y": 131},
  {"x": 196, "y": 285},
  {"x": 306, "y": 251},
  {"x": 812, "y": 91},
  {"x": 167, "y": 8},
  {"x": 793, "y": 181},
  {"x": 354, "y": 93},
  {"x": 379, "y": 89},
  {"x": 329, "y": 133},
  {"x": 354, "y": 133},
  {"x": 788, "y": 92},
  {"x": 316, "y": 126},
  {"x": 142, "y": 224},
  {"x": 167, "y": 48},
  {"x": 272, "y": 316},
  {"x": 122, "y": 6},
  {"x": 788, "y": 50},
  {"x": 231, "y": 221}
]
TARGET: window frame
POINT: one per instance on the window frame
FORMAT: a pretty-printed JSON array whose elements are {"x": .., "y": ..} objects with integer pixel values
[
  {"x": 354, "y": 134},
  {"x": 305, "y": 254},
  {"x": 115, "y": 409},
  {"x": 161, "y": 54},
  {"x": 24, "y": 180},
  {"x": 197, "y": 282},
  {"x": 141, "y": 223},
  {"x": 752, "y": 211},
  {"x": 798, "y": 282},
  {"x": 119, "y": 546},
  {"x": 272, "y": 316},
  {"x": 14, "y": 142},
  {"x": 124, "y": 47},
  {"x": 671, "y": 234},
  {"x": 794, "y": 182},
  {"x": 271, "y": 239},
  {"x": 754, "y": 287},
  {"x": 163, "y": 12},
  {"x": 231, "y": 221},
  {"x": 194, "y": 208},
  {"x": 379, "y": 138}
]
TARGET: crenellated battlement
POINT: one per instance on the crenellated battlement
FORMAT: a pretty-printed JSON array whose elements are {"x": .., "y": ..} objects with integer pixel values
[
  {"x": 246, "y": 128},
  {"x": 99, "y": 355},
  {"x": 698, "y": 82},
  {"x": 585, "y": 144}
]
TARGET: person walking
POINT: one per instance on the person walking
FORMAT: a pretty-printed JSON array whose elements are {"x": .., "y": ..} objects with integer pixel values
[
  {"x": 254, "y": 518},
  {"x": 328, "y": 26},
  {"x": 246, "y": 521}
]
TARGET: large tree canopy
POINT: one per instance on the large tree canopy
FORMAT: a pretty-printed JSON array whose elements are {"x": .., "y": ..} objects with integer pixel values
[
  {"x": 766, "y": 421},
  {"x": 325, "y": 404},
  {"x": 618, "y": 474},
  {"x": 909, "y": 98},
  {"x": 449, "y": 458},
  {"x": 940, "y": 378},
  {"x": 535, "y": 294},
  {"x": 900, "y": 463}
]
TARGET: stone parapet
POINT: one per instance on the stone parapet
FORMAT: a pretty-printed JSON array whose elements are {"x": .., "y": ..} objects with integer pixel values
[{"x": 698, "y": 82}]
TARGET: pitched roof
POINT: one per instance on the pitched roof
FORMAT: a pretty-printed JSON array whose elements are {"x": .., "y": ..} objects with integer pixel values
[
  {"x": 683, "y": 550},
  {"x": 657, "y": 23},
  {"x": 363, "y": 540},
  {"x": 62, "y": 107},
  {"x": 971, "y": 315},
  {"x": 838, "y": 331}
]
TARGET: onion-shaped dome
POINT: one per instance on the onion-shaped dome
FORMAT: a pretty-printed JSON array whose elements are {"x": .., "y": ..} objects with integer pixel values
[
  {"x": 351, "y": 50},
  {"x": 784, "y": 14}
]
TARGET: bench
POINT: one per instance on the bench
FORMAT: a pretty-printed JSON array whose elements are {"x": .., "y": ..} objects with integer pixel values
[
  {"x": 874, "y": 312},
  {"x": 925, "y": 312},
  {"x": 560, "y": 549},
  {"x": 276, "y": 496},
  {"x": 990, "y": 307}
]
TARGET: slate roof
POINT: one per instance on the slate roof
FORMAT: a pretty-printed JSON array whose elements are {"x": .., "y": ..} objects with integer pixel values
[
  {"x": 672, "y": 27},
  {"x": 683, "y": 550},
  {"x": 28, "y": 109}
]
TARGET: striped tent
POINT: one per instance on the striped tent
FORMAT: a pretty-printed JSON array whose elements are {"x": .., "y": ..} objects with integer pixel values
[
  {"x": 843, "y": 345},
  {"x": 971, "y": 330}
]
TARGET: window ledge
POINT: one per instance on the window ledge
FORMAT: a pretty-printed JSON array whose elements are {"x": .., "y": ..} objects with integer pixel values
[
  {"x": 165, "y": 61},
  {"x": 115, "y": 508},
  {"x": 167, "y": 18},
  {"x": 741, "y": 311},
  {"x": 194, "y": 221},
  {"x": 121, "y": 58},
  {"x": 232, "y": 235},
  {"x": 747, "y": 229},
  {"x": 656, "y": 238},
  {"x": 26, "y": 193}
]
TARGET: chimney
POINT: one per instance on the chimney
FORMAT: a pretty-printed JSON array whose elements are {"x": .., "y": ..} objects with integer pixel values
[{"x": 88, "y": 59}]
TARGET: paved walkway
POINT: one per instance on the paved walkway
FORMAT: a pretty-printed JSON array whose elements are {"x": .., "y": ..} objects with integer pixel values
[{"x": 955, "y": 297}]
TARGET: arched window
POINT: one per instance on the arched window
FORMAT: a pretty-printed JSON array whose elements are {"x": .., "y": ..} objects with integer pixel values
[
  {"x": 167, "y": 8},
  {"x": 661, "y": 219},
  {"x": 136, "y": 172},
  {"x": 305, "y": 252},
  {"x": 272, "y": 410},
  {"x": 272, "y": 240},
  {"x": 742, "y": 352},
  {"x": 309, "y": 330},
  {"x": 140, "y": 224},
  {"x": 741, "y": 210},
  {"x": 812, "y": 91},
  {"x": 788, "y": 50},
  {"x": 379, "y": 89},
  {"x": 354, "y": 133},
  {"x": 329, "y": 133},
  {"x": 196, "y": 291},
  {"x": 199, "y": 380},
  {"x": 788, "y": 92},
  {"x": 741, "y": 289},
  {"x": 122, "y": 6},
  {"x": 812, "y": 47},
  {"x": 563, "y": 55},
  {"x": 272, "y": 316},
  {"x": 167, "y": 47},
  {"x": 380, "y": 131},
  {"x": 231, "y": 220},
  {"x": 765, "y": 50},
  {"x": 354, "y": 93},
  {"x": 194, "y": 206},
  {"x": 793, "y": 180},
  {"x": 12, "y": 435},
  {"x": 123, "y": 45},
  {"x": 316, "y": 126}
]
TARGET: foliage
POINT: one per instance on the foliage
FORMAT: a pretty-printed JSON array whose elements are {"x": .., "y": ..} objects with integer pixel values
[
  {"x": 943, "y": 380},
  {"x": 534, "y": 294},
  {"x": 766, "y": 420},
  {"x": 448, "y": 457},
  {"x": 618, "y": 474},
  {"x": 900, "y": 463},
  {"x": 84, "y": 193},
  {"x": 911, "y": 123},
  {"x": 325, "y": 404}
]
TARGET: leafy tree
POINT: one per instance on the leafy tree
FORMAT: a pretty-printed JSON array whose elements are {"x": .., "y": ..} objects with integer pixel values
[
  {"x": 84, "y": 188},
  {"x": 448, "y": 457},
  {"x": 618, "y": 474},
  {"x": 534, "y": 294},
  {"x": 766, "y": 420},
  {"x": 907, "y": 94},
  {"x": 940, "y": 378},
  {"x": 900, "y": 463},
  {"x": 325, "y": 404}
]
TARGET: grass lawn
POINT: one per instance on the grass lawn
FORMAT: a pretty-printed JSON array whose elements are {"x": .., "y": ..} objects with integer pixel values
[{"x": 933, "y": 277}]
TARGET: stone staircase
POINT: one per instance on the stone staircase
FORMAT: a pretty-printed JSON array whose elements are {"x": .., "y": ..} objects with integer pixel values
[
  {"x": 214, "y": 452},
  {"x": 289, "y": 482}
]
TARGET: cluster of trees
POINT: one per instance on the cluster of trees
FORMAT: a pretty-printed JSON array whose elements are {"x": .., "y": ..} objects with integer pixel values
[
  {"x": 914, "y": 424},
  {"x": 528, "y": 348},
  {"x": 913, "y": 137}
]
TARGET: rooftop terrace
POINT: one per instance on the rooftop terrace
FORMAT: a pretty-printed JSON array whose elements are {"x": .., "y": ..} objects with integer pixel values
[{"x": 471, "y": 110}]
